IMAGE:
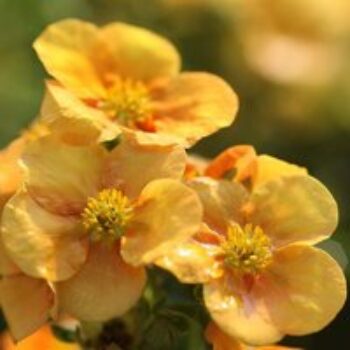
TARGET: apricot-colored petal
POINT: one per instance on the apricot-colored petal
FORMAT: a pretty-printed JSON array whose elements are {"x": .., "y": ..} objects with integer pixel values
[
  {"x": 133, "y": 164},
  {"x": 239, "y": 314},
  {"x": 238, "y": 162},
  {"x": 10, "y": 171},
  {"x": 66, "y": 49},
  {"x": 304, "y": 289},
  {"x": 138, "y": 53},
  {"x": 271, "y": 168},
  {"x": 220, "y": 340},
  {"x": 72, "y": 120},
  {"x": 40, "y": 243},
  {"x": 61, "y": 177},
  {"x": 222, "y": 201},
  {"x": 7, "y": 266},
  {"x": 193, "y": 261},
  {"x": 43, "y": 339},
  {"x": 195, "y": 105},
  {"x": 294, "y": 208},
  {"x": 106, "y": 287},
  {"x": 26, "y": 303},
  {"x": 168, "y": 212}
]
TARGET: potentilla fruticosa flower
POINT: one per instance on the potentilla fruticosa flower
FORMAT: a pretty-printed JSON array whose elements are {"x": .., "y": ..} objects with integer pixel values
[
  {"x": 25, "y": 301},
  {"x": 221, "y": 341},
  {"x": 126, "y": 75},
  {"x": 254, "y": 254},
  {"x": 88, "y": 219}
]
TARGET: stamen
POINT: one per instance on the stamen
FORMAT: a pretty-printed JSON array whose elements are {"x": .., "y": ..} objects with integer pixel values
[
  {"x": 247, "y": 250},
  {"x": 129, "y": 103},
  {"x": 107, "y": 215}
]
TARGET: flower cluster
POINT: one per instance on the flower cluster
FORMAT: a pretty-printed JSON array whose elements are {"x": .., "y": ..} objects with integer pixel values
[{"x": 100, "y": 188}]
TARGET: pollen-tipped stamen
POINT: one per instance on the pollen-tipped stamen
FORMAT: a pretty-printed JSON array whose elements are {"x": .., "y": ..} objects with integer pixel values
[
  {"x": 247, "y": 250},
  {"x": 107, "y": 215},
  {"x": 128, "y": 102}
]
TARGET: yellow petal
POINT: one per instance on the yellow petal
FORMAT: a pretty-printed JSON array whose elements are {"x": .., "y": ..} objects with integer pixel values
[
  {"x": 193, "y": 261},
  {"x": 7, "y": 266},
  {"x": 40, "y": 243},
  {"x": 60, "y": 177},
  {"x": 132, "y": 165},
  {"x": 106, "y": 287},
  {"x": 195, "y": 105},
  {"x": 240, "y": 315},
  {"x": 295, "y": 208},
  {"x": 10, "y": 171},
  {"x": 222, "y": 201},
  {"x": 304, "y": 289},
  {"x": 220, "y": 340},
  {"x": 72, "y": 120},
  {"x": 66, "y": 49},
  {"x": 43, "y": 339},
  {"x": 270, "y": 168},
  {"x": 240, "y": 160},
  {"x": 26, "y": 303},
  {"x": 137, "y": 53},
  {"x": 168, "y": 212}
]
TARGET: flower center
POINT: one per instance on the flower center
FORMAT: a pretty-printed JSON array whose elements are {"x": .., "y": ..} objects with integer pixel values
[
  {"x": 247, "y": 250},
  {"x": 128, "y": 102},
  {"x": 107, "y": 215}
]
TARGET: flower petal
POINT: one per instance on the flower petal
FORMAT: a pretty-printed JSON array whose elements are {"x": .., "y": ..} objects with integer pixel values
[
  {"x": 106, "y": 287},
  {"x": 271, "y": 168},
  {"x": 193, "y": 261},
  {"x": 10, "y": 171},
  {"x": 294, "y": 208},
  {"x": 304, "y": 289},
  {"x": 137, "y": 53},
  {"x": 66, "y": 49},
  {"x": 240, "y": 160},
  {"x": 168, "y": 212},
  {"x": 222, "y": 201},
  {"x": 7, "y": 266},
  {"x": 220, "y": 340},
  {"x": 26, "y": 303},
  {"x": 132, "y": 164},
  {"x": 241, "y": 316},
  {"x": 43, "y": 339},
  {"x": 61, "y": 177},
  {"x": 72, "y": 120},
  {"x": 195, "y": 105},
  {"x": 40, "y": 243}
]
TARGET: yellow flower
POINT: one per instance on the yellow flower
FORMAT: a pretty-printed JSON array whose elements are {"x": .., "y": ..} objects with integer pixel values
[
  {"x": 130, "y": 76},
  {"x": 43, "y": 339},
  {"x": 25, "y": 301},
  {"x": 254, "y": 254},
  {"x": 222, "y": 341},
  {"x": 87, "y": 220}
]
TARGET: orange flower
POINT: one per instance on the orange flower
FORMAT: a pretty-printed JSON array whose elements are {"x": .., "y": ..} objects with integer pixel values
[
  {"x": 25, "y": 301},
  {"x": 262, "y": 277},
  {"x": 222, "y": 341},
  {"x": 87, "y": 220},
  {"x": 43, "y": 339},
  {"x": 129, "y": 76}
]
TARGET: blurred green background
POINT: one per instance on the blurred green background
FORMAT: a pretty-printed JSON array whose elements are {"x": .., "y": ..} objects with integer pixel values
[{"x": 288, "y": 60}]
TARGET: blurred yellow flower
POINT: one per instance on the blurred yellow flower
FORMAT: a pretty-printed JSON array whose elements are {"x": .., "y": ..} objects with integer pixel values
[
  {"x": 43, "y": 339},
  {"x": 87, "y": 220},
  {"x": 254, "y": 254},
  {"x": 129, "y": 76},
  {"x": 222, "y": 341}
]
